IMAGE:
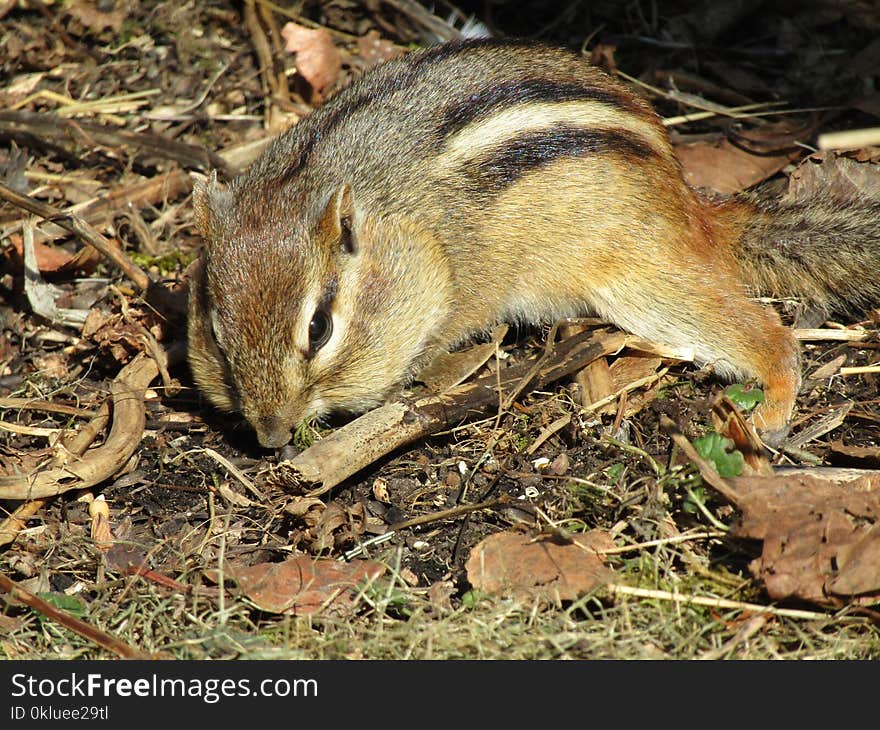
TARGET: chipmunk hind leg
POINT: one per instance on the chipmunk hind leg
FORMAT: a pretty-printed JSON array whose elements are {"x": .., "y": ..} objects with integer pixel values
[{"x": 717, "y": 324}]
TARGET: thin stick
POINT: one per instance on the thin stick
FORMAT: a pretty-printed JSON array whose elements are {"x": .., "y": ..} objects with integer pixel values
[
  {"x": 30, "y": 404},
  {"x": 859, "y": 370},
  {"x": 639, "y": 546},
  {"x": 78, "y": 626},
  {"x": 84, "y": 231},
  {"x": 713, "y": 602},
  {"x": 357, "y": 444}
]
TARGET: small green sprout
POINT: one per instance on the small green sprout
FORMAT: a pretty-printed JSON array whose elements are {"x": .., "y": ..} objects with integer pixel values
[{"x": 719, "y": 450}]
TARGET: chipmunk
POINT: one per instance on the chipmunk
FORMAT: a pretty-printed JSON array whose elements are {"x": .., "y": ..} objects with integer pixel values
[{"x": 485, "y": 181}]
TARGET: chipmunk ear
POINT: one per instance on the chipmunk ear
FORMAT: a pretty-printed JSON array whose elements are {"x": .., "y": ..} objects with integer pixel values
[
  {"x": 210, "y": 203},
  {"x": 336, "y": 221}
]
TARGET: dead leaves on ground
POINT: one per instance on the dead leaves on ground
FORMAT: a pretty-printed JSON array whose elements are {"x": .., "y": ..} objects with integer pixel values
[
  {"x": 318, "y": 61},
  {"x": 543, "y": 567},
  {"x": 820, "y": 528},
  {"x": 821, "y": 534},
  {"x": 304, "y": 585}
]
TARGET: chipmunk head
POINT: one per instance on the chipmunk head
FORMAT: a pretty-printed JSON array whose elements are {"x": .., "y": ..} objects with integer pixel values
[{"x": 304, "y": 304}]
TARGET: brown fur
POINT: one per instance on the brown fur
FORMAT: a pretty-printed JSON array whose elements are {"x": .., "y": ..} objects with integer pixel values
[{"x": 480, "y": 182}]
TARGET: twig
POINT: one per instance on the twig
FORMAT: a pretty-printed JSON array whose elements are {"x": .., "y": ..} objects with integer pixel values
[
  {"x": 427, "y": 20},
  {"x": 859, "y": 370},
  {"x": 139, "y": 194},
  {"x": 452, "y": 512},
  {"x": 677, "y": 597},
  {"x": 640, "y": 546},
  {"x": 129, "y": 417},
  {"x": 849, "y": 139},
  {"x": 75, "y": 446},
  {"x": 237, "y": 473},
  {"x": 83, "y": 230},
  {"x": 444, "y": 514},
  {"x": 262, "y": 49},
  {"x": 78, "y": 626},
  {"x": 848, "y": 335},
  {"x": 64, "y": 132},
  {"x": 548, "y": 433},
  {"x": 30, "y": 404}
]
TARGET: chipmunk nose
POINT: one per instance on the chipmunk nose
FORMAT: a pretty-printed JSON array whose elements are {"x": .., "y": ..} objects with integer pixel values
[{"x": 272, "y": 432}]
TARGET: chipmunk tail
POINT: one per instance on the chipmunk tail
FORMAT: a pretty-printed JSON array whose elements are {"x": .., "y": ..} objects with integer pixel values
[{"x": 822, "y": 251}]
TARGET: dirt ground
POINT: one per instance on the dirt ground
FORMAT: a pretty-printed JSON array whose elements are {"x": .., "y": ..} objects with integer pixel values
[{"x": 196, "y": 503}]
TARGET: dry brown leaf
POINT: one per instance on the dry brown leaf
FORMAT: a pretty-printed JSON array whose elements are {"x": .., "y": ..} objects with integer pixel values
[
  {"x": 337, "y": 524},
  {"x": 87, "y": 13},
  {"x": 836, "y": 175},
  {"x": 596, "y": 384},
  {"x": 317, "y": 59},
  {"x": 725, "y": 168},
  {"x": 631, "y": 369},
  {"x": 821, "y": 536},
  {"x": 308, "y": 508},
  {"x": 374, "y": 50},
  {"x": 828, "y": 370},
  {"x": 52, "y": 259},
  {"x": 628, "y": 369},
  {"x": 304, "y": 585},
  {"x": 120, "y": 337},
  {"x": 524, "y": 565},
  {"x": 866, "y": 457}
]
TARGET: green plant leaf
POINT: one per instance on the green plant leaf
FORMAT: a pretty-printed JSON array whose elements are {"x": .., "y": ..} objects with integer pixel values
[
  {"x": 71, "y": 604},
  {"x": 746, "y": 396},
  {"x": 719, "y": 450}
]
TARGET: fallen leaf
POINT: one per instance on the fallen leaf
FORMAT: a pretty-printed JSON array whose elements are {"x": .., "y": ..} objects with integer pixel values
[
  {"x": 833, "y": 174},
  {"x": 87, "y": 13},
  {"x": 729, "y": 422},
  {"x": 866, "y": 457},
  {"x": 120, "y": 337},
  {"x": 521, "y": 564},
  {"x": 725, "y": 168},
  {"x": 317, "y": 59},
  {"x": 821, "y": 540},
  {"x": 828, "y": 370},
  {"x": 52, "y": 259},
  {"x": 595, "y": 384},
  {"x": 373, "y": 49},
  {"x": 451, "y": 368},
  {"x": 304, "y": 585}
]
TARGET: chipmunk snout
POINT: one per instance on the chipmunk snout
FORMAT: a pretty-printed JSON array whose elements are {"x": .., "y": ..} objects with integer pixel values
[{"x": 272, "y": 432}]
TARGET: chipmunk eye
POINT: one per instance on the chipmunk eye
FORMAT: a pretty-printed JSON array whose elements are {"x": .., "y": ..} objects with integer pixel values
[{"x": 320, "y": 329}]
